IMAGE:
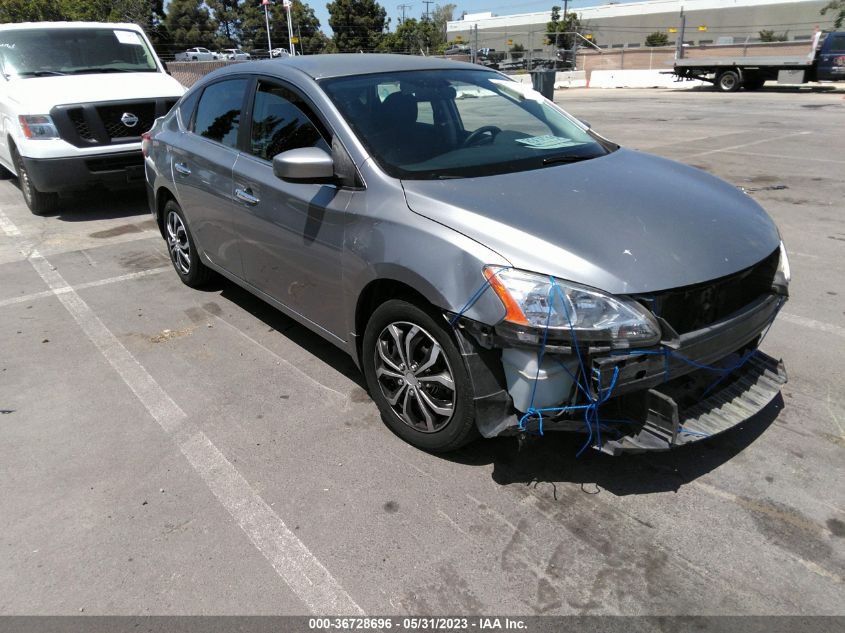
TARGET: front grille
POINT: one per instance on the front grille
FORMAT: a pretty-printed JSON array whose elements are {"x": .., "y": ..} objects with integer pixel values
[
  {"x": 111, "y": 117},
  {"x": 694, "y": 307},
  {"x": 87, "y": 124},
  {"x": 77, "y": 117}
]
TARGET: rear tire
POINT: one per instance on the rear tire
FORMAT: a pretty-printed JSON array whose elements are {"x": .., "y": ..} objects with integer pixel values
[
  {"x": 182, "y": 248},
  {"x": 39, "y": 203},
  {"x": 417, "y": 377},
  {"x": 728, "y": 81}
]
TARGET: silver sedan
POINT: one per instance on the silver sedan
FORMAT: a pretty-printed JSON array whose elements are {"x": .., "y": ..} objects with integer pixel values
[{"x": 492, "y": 264}]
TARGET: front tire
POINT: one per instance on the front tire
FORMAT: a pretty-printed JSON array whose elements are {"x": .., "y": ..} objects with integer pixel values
[
  {"x": 182, "y": 248},
  {"x": 417, "y": 377},
  {"x": 39, "y": 203}
]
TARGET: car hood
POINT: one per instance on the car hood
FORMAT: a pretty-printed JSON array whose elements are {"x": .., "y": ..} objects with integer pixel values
[
  {"x": 626, "y": 222},
  {"x": 39, "y": 94}
]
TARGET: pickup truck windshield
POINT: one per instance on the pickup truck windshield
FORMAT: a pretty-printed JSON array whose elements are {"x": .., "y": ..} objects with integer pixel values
[
  {"x": 50, "y": 52},
  {"x": 433, "y": 124}
]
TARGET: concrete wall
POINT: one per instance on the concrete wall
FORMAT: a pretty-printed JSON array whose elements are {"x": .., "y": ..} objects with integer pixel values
[{"x": 189, "y": 73}]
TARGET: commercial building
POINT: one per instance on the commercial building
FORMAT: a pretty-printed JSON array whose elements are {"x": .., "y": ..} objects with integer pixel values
[{"x": 627, "y": 25}]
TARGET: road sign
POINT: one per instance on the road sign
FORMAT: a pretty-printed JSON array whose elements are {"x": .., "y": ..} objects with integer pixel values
[
  {"x": 703, "y": 27},
  {"x": 672, "y": 29},
  {"x": 510, "y": 42}
]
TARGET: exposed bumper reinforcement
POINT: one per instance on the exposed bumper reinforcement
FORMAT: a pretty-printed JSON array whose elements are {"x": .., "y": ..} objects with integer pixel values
[{"x": 752, "y": 387}]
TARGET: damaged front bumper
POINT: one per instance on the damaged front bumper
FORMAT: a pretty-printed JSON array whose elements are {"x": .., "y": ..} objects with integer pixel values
[{"x": 685, "y": 389}]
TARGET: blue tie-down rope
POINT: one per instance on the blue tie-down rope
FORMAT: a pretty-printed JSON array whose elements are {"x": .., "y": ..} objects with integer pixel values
[{"x": 591, "y": 410}]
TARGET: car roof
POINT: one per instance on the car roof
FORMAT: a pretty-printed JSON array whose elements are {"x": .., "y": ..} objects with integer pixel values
[
  {"x": 69, "y": 25},
  {"x": 349, "y": 64}
]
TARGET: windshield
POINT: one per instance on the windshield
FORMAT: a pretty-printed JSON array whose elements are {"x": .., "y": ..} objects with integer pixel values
[
  {"x": 48, "y": 52},
  {"x": 435, "y": 124}
]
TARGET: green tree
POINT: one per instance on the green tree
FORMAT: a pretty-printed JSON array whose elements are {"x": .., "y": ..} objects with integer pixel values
[
  {"x": 253, "y": 34},
  {"x": 517, "y": 51},
  {"x": 838, "y": 8},
  {"x": 405, "y": 39},
  {"x": 306, "y": 28},
  {"x": 227, "y": 13},
  {"x": 30, "y": 11},
  {"x": 658, "y": 38},
  {"x": 189, "y": 24},
  {"x": 771, "y": 36},
  {"x": 439, "y": 17},
  {"x": 357, "y": 24},
  {"x": 559, "y": 30}
]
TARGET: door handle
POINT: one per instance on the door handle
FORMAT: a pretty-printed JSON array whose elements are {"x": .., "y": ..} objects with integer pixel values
[
  {"x": 245, "y": 195},
  {"x": 182, "y": 168}
]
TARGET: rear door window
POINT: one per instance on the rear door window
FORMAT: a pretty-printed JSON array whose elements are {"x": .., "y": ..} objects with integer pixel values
[{"x": 218, "y": 115}]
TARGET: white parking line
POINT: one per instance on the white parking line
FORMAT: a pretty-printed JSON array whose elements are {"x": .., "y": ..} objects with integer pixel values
[
  {"x": 289, "y": 556},
  {"x": 757, "y": 142},
  {"x": 821, "y": 326},
  {"x": 83, "y": 286},
  {"x": 297, "y": 566}
]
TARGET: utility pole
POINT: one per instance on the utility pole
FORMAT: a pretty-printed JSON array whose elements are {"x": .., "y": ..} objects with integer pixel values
[
  {"x": 679, "y": 45},
  {"x": 426, "y": 3},
  {"x": 288, "y": 4},
  {"x": 475, "y": 44},
  {"x": 403, "y": 8},
  {"x": 266, "y": 3}
]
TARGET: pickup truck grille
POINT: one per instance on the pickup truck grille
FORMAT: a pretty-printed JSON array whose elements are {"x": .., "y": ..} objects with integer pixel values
[{"x": 93, "y": 124}]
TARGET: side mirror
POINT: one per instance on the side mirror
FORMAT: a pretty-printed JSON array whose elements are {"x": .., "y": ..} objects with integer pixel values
[{"x": 310, "y": 164}]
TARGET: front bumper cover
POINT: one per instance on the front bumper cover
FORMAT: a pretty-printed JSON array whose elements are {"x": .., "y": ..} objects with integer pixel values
[
  {"x": 673, "y": 400},
  {"x": 113, "y": 170}
]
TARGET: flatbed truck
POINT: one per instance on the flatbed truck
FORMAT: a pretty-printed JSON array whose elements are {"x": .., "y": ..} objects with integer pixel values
[{"x": 825, "y": 62}]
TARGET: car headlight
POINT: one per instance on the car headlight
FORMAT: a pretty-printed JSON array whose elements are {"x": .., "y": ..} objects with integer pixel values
[
  {"x": 593, "y": 316},
  {"x": 38, "y": 127},
  {"x": 784, "y": 275}
]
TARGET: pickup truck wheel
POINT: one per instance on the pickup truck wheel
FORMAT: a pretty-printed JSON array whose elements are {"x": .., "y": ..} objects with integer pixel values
[
  {"x": 182, "y": 248},
  {"x": 39, "y": 203},
  {"x": 417, "y": 377},
  {"x": 728, "y": 81}
]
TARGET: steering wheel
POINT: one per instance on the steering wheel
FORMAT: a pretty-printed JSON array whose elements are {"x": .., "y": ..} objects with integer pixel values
[{"x": 475, "y": 136}]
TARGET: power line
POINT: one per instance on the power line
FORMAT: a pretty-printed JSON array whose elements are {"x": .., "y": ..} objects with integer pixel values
[
  {"x": 402, "y": 8},
  {"x": 426, "y": 3}
]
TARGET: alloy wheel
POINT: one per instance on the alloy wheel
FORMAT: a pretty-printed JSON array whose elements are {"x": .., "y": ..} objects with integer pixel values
[
  {"x": 177, "y": 242},
  {"x": 414, "y": 376}
]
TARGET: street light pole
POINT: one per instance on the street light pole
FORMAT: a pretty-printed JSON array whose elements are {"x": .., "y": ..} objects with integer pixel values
[
  {"x": 287, "y": 4},
  {"x": 266, "y": 3}
]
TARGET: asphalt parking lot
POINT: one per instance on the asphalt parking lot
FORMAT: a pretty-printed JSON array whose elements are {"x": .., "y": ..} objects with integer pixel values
[{"x": 170, "y": 451}]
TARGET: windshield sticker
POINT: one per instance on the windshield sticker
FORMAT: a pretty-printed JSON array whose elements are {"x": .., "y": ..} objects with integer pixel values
[
  {"x": 128, "y": 37},
  {"x": 547, "y": 142}
]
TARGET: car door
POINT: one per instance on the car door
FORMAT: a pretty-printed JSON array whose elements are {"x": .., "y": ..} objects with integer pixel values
[
  {"x": 202, "y": 163},
  {"x": 291, "y": 233}
]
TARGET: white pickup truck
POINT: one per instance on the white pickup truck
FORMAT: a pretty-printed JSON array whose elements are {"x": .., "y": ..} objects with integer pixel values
[
  {"x": 196, "y": 54},
  {"x": 75, "y": 98}
]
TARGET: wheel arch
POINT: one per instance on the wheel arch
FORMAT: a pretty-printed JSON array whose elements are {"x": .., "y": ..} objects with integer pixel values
[
  {"x": 162, "y": 196},
  {"x": 392, "y": 286}
]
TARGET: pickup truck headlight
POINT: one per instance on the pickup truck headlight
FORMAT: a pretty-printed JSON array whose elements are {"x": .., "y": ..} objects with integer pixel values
[
  {"x": 592, "y": 315},
  {"x": 38, "y": 127}
]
